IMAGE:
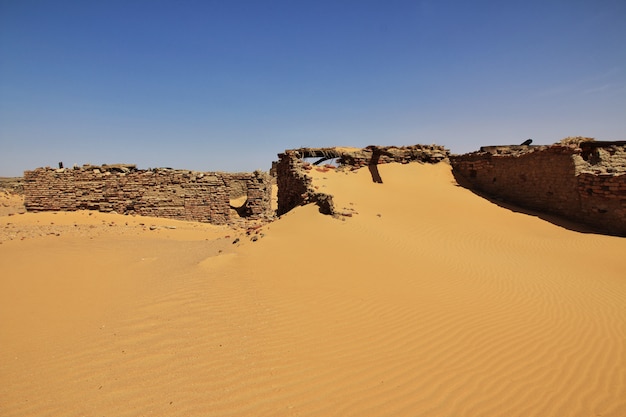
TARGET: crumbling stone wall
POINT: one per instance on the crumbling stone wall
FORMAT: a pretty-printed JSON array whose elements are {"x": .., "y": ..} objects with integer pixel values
[
  {"x": 585, "y": 183},
  {"x": 387, "y": 154},
  {"x": 294, "y": 185},
  {"x": 177, "y": 194}
]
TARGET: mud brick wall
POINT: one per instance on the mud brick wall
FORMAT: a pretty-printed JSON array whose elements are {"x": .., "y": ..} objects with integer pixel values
[
  {"x": 603, "y": 200},
  {"x": 543, "y": 180},
  {"x": 553, "y": 179},
  {"x": 176, "y": 194}
]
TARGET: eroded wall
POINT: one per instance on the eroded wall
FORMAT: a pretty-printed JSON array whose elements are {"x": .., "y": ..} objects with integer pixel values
[
  {"x": 176, "y": 194},
  {"x": 588, "y": 187},
  {"x": 583, "y": 182},
  {"x": 294, "y": 184}
]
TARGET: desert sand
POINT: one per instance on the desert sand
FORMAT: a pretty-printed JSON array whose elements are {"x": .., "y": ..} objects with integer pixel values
[{"x": 424, "y": 300}]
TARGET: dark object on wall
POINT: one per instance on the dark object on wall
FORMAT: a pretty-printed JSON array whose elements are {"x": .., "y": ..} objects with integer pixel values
[{"x": 527, "y": 142}]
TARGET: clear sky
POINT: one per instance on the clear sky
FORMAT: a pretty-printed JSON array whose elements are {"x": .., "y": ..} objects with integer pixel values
[{"x": 226, "y": 85}]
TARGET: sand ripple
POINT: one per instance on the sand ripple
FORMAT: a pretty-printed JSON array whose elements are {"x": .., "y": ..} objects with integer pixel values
[{"x": 444, "y": 305}]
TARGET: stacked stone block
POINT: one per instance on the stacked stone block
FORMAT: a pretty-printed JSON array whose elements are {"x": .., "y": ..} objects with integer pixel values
[
  {"x": 589, "y": 188},
  {"x": 176, "y": 194},
  {"x": 603, "y": 200},
  {"x": 388, "y": 154}
]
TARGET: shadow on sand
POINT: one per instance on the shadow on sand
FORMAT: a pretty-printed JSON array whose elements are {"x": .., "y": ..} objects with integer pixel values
[{"x": 552, "y": 218}]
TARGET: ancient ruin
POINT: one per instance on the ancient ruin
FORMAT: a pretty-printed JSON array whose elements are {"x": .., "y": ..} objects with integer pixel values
[
  {"x": 580, "y": 180},
  {"x": 294, "y": 185},
  {"x": 176, "y": 194}
]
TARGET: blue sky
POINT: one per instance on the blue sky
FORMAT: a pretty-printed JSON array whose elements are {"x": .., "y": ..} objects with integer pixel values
[{"x": 226, "y": 85}]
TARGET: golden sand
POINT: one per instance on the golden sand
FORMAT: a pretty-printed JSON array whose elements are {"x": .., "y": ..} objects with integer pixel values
[{"x": 427, "y": 301}]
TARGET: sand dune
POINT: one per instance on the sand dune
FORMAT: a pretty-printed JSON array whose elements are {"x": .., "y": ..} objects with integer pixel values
[{"x": 427, "y": 301}]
